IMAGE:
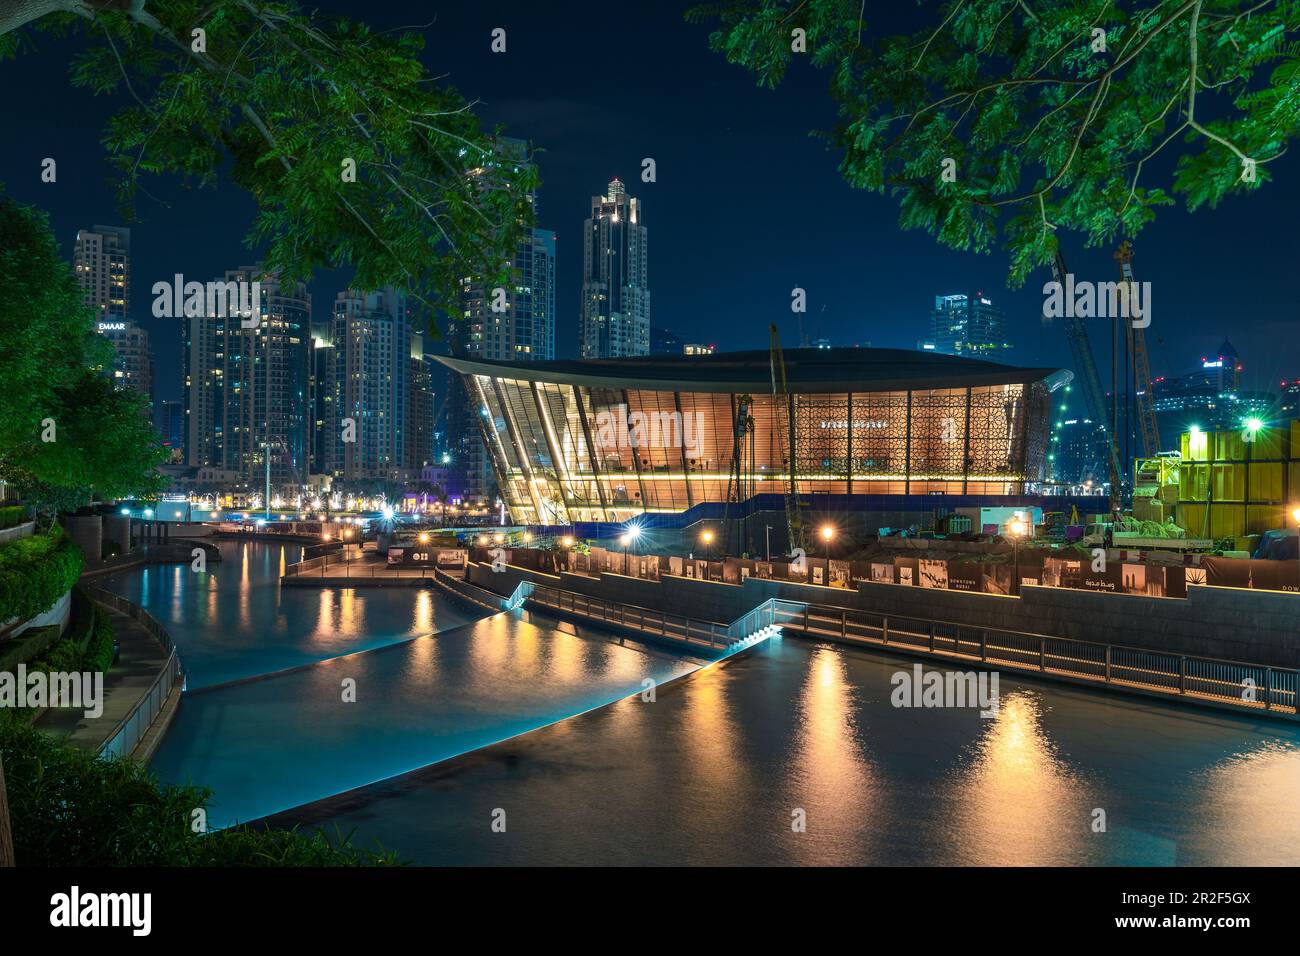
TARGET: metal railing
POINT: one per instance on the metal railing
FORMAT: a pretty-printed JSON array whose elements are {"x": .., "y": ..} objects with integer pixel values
[
  {"x": 131, "y": 729},
  {"x": 677, "y": 627},
  {"x": 472, "y": 592},
  {"x": 1253, "y": 687}
]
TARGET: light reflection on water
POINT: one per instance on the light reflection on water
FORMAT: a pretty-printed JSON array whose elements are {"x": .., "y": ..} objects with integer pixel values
[
  {"x": 234, "y": 621},
  {"x": 711, "y": 772}
]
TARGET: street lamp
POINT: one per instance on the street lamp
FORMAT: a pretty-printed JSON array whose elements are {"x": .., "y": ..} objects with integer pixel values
[
  {"x": 706, "y": 538},
  {"x": 1295, "y": 513},
  {"x": 828, "y": 535},
  {"x": 424, "y": 537},
  {"x": 768, "y": 538},
  {"x": 631, "y": 535},
  {"x": 1016, "y": 527}
]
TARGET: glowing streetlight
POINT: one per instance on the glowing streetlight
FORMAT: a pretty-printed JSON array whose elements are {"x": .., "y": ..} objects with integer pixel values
[
  {"x": 498, "y": 537},
  {"x": 706, "y": 538},
  {"x": 1016, "y": 528},
  {"x": 424, "y": 537},
  {"x": 1295, "y": 513},
  {"x": 567, "y": 541},
  {"x": 828, "y": 532}
]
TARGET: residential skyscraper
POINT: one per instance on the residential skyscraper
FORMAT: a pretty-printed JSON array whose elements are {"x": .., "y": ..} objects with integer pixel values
[
  {"x": 101, "y": 259},
  {"x": 249, "y": 389},
  {"x": 615, "y": 284},
  {"x": 372, "y": 390},
  {"x": 133, "y": 363},
  {"x": 969, "y": 325},
  {"x": 516, "y": 324},
  {"x": 173, "y": 429}
]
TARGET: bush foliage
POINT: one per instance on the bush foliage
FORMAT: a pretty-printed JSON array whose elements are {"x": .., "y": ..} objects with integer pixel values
[{"x": 70, "y": 808}]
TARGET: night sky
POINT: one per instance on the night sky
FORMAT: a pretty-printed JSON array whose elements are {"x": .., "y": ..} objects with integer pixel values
[{"x": 747, "y": 204}]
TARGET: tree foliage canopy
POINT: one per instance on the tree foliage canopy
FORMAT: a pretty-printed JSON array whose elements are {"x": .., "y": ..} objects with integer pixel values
[
  {"x": 54, "y": 368},
  {"x": 291, "y": 101},
  {"x": 1052, "y": 113}
]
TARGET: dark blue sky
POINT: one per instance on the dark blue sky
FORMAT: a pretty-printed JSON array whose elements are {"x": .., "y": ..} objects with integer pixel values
[{"x": 746, "y": 206}]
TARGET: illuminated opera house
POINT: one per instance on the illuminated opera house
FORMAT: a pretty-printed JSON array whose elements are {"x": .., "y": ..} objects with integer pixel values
[{"x": 609, "y": 439}]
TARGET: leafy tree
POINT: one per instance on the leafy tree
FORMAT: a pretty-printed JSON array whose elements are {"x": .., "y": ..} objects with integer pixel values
[
  {"x": 1051, "y": 113},
  {"x": 65, "y": 432},
  {"x": 45, "y": 327},
  {"x": 296, "y": 104}
]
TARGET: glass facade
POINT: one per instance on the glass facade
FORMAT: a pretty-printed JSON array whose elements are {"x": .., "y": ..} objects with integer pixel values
[{"x": 566, "y": 451}]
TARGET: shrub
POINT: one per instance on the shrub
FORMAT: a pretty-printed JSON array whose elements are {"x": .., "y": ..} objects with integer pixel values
[
  {"x": 70, "y": 808},
  {"x": 78, "y": 648},
  {"x": 12, "y": 515},
  {"x": 35, "y": 572},
  {"x": 98, "y": 653}
]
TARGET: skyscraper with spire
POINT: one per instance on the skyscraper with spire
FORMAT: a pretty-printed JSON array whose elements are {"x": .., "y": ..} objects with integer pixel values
[{"x": 615, "y": 278}]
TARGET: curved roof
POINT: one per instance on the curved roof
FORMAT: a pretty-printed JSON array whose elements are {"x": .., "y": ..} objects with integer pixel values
[{"x": 807, "y": 370}]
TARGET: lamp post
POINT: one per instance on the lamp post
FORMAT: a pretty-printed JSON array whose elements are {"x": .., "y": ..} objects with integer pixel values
[
  {"x": 1016, "y": 528},
  {"x": 768, "y": 537},
  {"x": 706, "y": 538},
  {"x": 1295, "y": 513},
  {"x": 827, "y": 535}
]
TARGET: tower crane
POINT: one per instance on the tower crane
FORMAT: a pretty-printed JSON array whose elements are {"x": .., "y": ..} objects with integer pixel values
[
  {"x": 783, "y": 400},
  {"x": 1148, "y": 428},
  {"x": 1094, "y": 395}
]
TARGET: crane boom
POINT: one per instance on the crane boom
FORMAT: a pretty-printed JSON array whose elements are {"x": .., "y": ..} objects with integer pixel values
[
  {"x": 781, "y": 396},
  {"x": 1095, "y": 396},
  {"x": 1148, "y": 427}
]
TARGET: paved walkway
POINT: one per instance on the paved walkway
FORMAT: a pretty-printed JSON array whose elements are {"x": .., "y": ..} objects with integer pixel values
[{"x": 141, "y": 660}]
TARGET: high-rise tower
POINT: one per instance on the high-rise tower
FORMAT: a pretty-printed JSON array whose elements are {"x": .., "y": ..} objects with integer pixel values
[
  {"x": 512, "y": 322},
  {"x": 615, "y": 290}
]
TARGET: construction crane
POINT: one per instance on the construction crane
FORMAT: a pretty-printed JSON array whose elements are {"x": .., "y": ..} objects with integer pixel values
[
  {"x": 782, "y": 399},
  {"x": 1094, "y": 395},
  {"x": 1148, "y": 429},
  {"x": 740, "y": 475}
]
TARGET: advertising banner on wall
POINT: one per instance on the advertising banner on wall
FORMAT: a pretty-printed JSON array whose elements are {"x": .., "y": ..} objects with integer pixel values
[
  {"x": 932, "y": 574},
  {"x": 965, "y": 576},
  {"x": 446, "y": 558},
  {"x": 905, "y": 570},
  {"x": 1249, "y": 573}
]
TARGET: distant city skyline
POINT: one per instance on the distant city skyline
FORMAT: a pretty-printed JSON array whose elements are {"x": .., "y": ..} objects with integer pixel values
[{"x": 776, "y": 218}]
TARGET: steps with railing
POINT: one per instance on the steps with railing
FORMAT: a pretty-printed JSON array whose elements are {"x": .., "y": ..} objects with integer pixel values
[{"x": 1235, "y": 685}]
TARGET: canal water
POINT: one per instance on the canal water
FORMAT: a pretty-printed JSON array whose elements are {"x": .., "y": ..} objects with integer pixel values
[
  {"x": 791, "y": 753},
  {"x": 301, "y": 693},
  {"x": 724, "y": 765}
]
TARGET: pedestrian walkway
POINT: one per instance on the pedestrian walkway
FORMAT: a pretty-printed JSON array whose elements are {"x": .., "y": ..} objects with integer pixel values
[{"x": 141, "y": 659}]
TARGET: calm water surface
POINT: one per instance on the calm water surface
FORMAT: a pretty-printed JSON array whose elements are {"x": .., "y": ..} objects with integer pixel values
[
  {"x": 709, "y": 773},
  {"x": 381, "y": 680},
  {"x": 712, "y": 772}
]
